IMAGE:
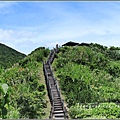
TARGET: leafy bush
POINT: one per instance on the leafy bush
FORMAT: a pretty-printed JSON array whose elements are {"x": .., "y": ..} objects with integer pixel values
[
  {"x": 26, "y": 93},
  {"x": 80, "y": 84},
  {"x": 103, "y": 110},
  {"x": 83, "y": 55},
  {"x": 87, "y": 75},
  {"x": 4, "y": 99},
  {"x": 31, "y": 105},
  {"x": 114, "y": 69}
]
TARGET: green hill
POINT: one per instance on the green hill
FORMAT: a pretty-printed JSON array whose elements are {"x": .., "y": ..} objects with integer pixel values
[
  {"x": 90, "y": 75},
  {"x": 22, "y": 88},
  {"x": 9, "y": 56},
  {"x": 89, "y": 78}
]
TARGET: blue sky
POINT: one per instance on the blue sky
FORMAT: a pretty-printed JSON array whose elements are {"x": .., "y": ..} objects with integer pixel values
[{"x": 25, "y": 26}]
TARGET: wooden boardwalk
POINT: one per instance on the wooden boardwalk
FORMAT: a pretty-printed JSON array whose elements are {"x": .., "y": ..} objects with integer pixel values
[{"x": 58, "y": 110}]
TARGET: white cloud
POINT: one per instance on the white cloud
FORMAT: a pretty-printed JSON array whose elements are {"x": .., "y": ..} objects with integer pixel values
[
  {"x": 14, "y": 35},
  {"x": 61, "y": 22},
  {"x": 18, "y": 39}
]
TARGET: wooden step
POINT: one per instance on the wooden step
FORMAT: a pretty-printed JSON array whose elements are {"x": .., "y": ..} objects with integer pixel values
[
  {"x": 55, "y": 93},
  {"x": 51, "y": 82},
  {"x": 58, "y": 108},
  {"x": 50, "y": 77},
  {"x": 54, "y": 90},
  {"x": 57, "y": 98},
  {"x": 58, "y": 103},
  {"x": 53, "y": 87},
  {"x": 58, "y": 111},
  {"x": 59, "y": 115},
  {"x": 62, "y": 118}
]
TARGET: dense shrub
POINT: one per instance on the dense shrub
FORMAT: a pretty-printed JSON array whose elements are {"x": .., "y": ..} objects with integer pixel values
[
  {"x": 80, "y": 84},
  {"x": 31, "y": 105},
  {"x": 26, "y": 93},
  {"x": 101, "y": 111},
  {"x": 88, "y": 75}
]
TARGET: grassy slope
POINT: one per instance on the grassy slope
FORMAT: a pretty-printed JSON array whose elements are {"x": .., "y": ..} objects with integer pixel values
[
  {"x": 27, "y": 95},
  {"x": 48, "y": 108},
  {"x": 83, "y": 70},
  {"x": 9, "y": 56},
  {"x": 88, "y": 75}
]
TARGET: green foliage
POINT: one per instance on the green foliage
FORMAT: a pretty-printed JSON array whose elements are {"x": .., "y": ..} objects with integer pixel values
[
  {"x": 112, "y": 53},
  {"x": 41, "y": 88},
  {"x": 88, "y": 75},
  {"x": 80, "y": 84},
  {"x": 103, "y": 111},
  {"x": 4, "y": 99},
  {"x": 83, "y": 55},
  {"x": 26, "y": 93},
  {"x": 31, "y": 105},
  {"x": 114, "y": 48},
  {"x": 9, "y": 56},
  {"x": 4, "y": 88},
  {"x": 39, "y": 54},
  {"x": 114, "y": 68}
]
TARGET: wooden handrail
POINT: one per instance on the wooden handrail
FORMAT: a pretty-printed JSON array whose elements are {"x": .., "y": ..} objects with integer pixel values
[{"x": 49, "y": 62}]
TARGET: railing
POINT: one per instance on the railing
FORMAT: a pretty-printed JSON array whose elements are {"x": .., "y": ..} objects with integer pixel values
[
  {"x": 51, "y": 112},
  {"x": 64, "y": 109},
  {"x": 49, "y": 62},
  {"x": 56, "y": 82}
]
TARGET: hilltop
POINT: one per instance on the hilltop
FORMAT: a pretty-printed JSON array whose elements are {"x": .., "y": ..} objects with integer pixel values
[
  {"x": 89, "y": 74},
  {"x": 9, "y": 56}
]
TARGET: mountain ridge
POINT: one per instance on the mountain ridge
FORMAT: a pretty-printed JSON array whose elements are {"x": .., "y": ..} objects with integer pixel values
[{"x": 9, "y": 56}]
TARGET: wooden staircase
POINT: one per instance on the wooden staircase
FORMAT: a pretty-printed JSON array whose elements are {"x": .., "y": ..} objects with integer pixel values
[{"x": 58, "y": 110}]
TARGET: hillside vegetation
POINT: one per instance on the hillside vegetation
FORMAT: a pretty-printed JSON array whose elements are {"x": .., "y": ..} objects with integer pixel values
[
  {"x": 9, "y": 56},
  {"x": 22, "y": 90},
  {"x": 89, "y": 77}
]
